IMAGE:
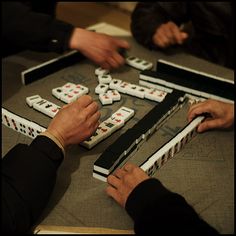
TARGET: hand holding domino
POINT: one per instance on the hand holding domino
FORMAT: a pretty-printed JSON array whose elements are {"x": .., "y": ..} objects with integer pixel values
[{"x": 75, "y": 122}]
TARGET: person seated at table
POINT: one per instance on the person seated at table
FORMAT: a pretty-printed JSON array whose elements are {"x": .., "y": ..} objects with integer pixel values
[
  {"x": 29, "y": 171},
  {"x": 204, "y": 29},
  {"x": 152, "y": 206},
  {"x": 32, "y": 25}
]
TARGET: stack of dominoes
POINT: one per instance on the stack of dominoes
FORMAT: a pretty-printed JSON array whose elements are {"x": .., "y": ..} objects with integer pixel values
[
  {"x": 133, "y": 138},
  {"x": 20, "y": 124},
  {"x": 109, "y": 126},
  {"x": 69, "y": 92}
]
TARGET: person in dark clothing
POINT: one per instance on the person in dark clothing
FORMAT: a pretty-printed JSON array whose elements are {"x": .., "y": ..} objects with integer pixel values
[
  {"x": 29, "y": 171},
  {"x": 149, "y": 203},
  {"x": 33, "y": 25},
  {"x": 209, "y": 35}
]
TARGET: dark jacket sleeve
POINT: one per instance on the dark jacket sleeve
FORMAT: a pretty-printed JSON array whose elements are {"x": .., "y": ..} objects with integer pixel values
[
  {"x": 25, "y": 28},
  {"x": 155, "y": 209},
  {"x": 147, "y": 17},
  {"x": 28, "y": 178}
]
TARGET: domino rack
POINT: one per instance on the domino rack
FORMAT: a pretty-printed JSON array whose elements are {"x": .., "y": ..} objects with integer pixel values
[
  {"x": 37, "y": 72},
  {"x": 171, "y": 147},
  {"x": 133, "y": 138},
  {"x": 170, "y": 75}
]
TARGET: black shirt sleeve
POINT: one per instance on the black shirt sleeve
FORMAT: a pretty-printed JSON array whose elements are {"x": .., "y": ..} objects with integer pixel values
[
  {"x": 28, "y": 178},
  {"x": 25, "y": 28},
  {"x": 156, "y": 209}
]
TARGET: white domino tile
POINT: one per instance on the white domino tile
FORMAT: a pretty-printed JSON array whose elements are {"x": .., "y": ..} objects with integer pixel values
[
  {"x": 114, "y": 94},
  {"x": 57, "y": 92},
  {"x": 104, "y": 79},
  {"x": 32, "y": 99},
  {"x": 122, "y": 87},
  {"x": 136, "y": 90},
  {"x": 101, "y": 88},
  {"x": 101, "y": 71},
  {"x": 68, "y": 97},
  {"x": 123, "y": 113},
  {"x": 105, "y": 99},
  {"x": 48, "y": 108},
  {"x": 138, "y": 63},
  {"x": 114, "y": 84},
  {"x": 155, "y": 95}
]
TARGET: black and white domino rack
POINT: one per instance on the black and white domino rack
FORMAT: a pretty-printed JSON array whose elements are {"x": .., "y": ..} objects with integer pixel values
[
  {"x": 172, "y": 76},
  {"x": 157, "y": 159},
  {"x": 130, "y": 141},
  {"x": 37, "y": 72}
]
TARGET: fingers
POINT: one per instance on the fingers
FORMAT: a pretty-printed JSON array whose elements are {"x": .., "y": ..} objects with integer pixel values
[
  {"x": 84, "y": 101},
  {"x": 169, "y": 34},
  {"x": 112, "y": 192},
  {"x": 209, "y": 124},
  {"x": 198, "y": 109},
  {"x": 91, "y": 109}
]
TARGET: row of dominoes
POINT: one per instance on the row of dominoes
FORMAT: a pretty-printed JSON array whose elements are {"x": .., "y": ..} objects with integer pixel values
[
  {"x": 138, "y": 63},
  {"x": 133, "y": 61},
  {"x": 155, "y": 78},
  {"x": 42, "y": 105},
  {"x": 109, "y": 126},
  {"x": 133, "y": 90},
  {"x": 133, "y": 138},
  {"x": 21, "y": 124},
  {"x": 69, "y": 92},
  {"x": 169, "y": 149}
]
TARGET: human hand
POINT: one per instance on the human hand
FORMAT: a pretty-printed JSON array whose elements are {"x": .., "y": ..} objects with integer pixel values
[
  {"x": 100, "y": 48},
  {"x": 76, "y": 121},
  {"x": 123, "y": 181},
  {"x": 169, "y": 34},
  {"x": 221, "y": 115}
]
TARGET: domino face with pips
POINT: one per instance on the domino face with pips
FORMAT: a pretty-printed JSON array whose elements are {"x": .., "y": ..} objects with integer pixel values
[
  {"x": 21, "y": 124},
  {"x": 42, "y": 105},
  {"x": 109, "y": 126},
  {"x": 109, "y": 97},
  {"x": 69, "y": 92},
  {"x": 138, "y": 63}
]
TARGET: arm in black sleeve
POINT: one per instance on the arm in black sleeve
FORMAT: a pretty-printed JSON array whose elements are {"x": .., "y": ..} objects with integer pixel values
[
  {"x": 27, "y": 29},
  {"x": 28, "y": 178},
  {"x": 147, "y": 17},
  {"x": 155, "y": 209}
]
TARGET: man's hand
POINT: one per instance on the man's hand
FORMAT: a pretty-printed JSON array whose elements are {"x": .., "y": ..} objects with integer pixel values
[
  {"x": 100, "y": 48},
  {"x": 75, "y": 122},
  {"x": 221, "y": 115},
  {"x": 123, "y": 181},
  {"x": 169, "y": 34}
]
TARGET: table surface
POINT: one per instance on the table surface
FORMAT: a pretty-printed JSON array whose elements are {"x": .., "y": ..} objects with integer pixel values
[{"x": 202, "y": 172}]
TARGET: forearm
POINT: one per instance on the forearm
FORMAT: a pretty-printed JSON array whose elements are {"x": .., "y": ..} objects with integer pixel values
[
  {"x": 28, "y": 178},
  {"x": 155, "y": 208},
  {"x": 25, "y": 28}
]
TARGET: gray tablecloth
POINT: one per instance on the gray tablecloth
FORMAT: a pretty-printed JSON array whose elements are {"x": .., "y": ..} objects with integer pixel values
[{"x": 203, "y": 172}]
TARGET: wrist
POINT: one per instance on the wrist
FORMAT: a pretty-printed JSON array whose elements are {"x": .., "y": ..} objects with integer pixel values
[
  {"x": 56, "y": 139},
  {"x": 74, "y": 42}
]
